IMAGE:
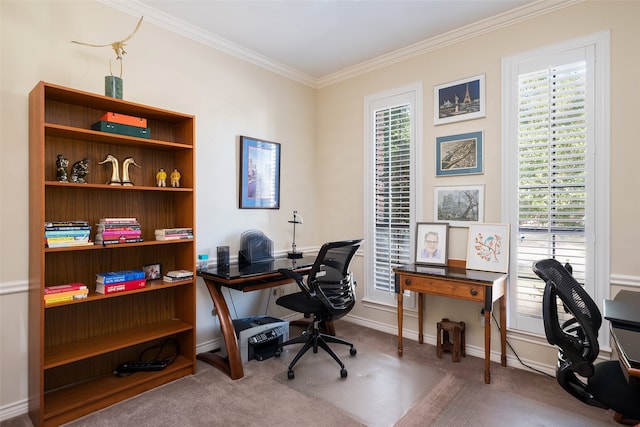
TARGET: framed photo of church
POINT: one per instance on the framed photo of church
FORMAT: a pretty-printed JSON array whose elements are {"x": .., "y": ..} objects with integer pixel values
[
  {"x": 259, "y": 174},
  {"x": 460, "y": 100},
  {"x": 431, "y": 243}
]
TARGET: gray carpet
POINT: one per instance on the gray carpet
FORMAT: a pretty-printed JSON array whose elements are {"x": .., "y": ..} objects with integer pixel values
[
  {"x": 378, "y": 391},
  {"x": 481, "y": 406}
]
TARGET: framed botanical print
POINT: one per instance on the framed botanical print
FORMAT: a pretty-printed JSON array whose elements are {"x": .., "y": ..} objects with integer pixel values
[{"x": 488, "y": 247}]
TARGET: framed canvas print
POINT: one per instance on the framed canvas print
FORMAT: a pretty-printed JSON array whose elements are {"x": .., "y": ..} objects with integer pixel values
[
  {"x": 259, "y": 174},
  {"x": 459, "y": 154},
  {"x": 460, "y": 100},
  {"x": 488, "y": 247},
  {"x": 432, "y": 243},
  {"x": 459, "y": 205}
]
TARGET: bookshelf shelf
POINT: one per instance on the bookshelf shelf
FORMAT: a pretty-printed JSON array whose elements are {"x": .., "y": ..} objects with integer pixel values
[{"x": 75, "y": 346}]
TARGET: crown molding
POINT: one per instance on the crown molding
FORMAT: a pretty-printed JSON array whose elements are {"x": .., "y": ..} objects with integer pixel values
[{"x": 152, "y": 15}]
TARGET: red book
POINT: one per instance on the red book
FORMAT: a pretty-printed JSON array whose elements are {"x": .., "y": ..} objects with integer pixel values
[
  {"x": 121, "y": 286},
  {"x": 123, "y": 119},
  {"x": 64, "y": 288}
]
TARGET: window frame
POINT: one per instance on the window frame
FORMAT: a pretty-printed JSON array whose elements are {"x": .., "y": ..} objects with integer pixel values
[
  {"x": 598, "y": 168},
  {"x": 412, "y": 95}
]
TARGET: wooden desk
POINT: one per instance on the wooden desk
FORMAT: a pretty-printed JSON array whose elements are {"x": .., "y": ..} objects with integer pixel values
[
  {"x": 457, "y": 282},
  {"x": 627, "y": 341},
  {"x": 248, "y": 278}
]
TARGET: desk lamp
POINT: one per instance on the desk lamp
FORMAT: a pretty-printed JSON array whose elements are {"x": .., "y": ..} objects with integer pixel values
[{"x": 297, "y": 219}]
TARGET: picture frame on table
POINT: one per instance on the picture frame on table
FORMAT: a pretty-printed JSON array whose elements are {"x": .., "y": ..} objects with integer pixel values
[
  {"x": 460, "y": 100},
  {"x": 459, "y": 154},
  {"x": 152, "y": 271},
  {"x": 458, "y": 205},
  {"x": 259, "y": 174},
  {"x": 488, "y": 247},
  {"x": 432, "y": 243}
]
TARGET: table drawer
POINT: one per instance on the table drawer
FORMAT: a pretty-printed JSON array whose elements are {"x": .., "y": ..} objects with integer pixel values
[{"x": 447, "y": 288}]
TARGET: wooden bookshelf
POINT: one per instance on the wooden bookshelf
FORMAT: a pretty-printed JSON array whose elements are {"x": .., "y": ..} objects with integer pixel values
[{"x": 75, "y": 346}]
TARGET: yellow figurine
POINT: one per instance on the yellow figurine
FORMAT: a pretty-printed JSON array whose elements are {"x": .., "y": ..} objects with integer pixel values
[
  {"x": 175, "y": 178},
  {"x": 161, "y": 178}
]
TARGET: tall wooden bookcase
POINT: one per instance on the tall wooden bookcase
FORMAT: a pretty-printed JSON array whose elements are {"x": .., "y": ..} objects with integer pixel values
[{"x": 74, "y": 347}]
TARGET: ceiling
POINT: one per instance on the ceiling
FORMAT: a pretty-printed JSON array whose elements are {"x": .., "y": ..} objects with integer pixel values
[{"x": 316, "y": 39}]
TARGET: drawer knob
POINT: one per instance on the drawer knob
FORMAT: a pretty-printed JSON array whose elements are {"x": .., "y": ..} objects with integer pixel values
[
  {"x": 473, "y": 292},
  {"x": 407, "y": 282}
]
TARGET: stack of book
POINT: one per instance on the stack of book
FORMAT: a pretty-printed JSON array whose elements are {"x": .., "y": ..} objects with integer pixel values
[
  {"x": 60, "y": 234},
  {"x": 123, "y": 125},
  {"x": 178, "y": 275},
  {"x": 174, "y": 233},
  {"x": 118, "y": 230},
  {"x": 61, "y": 293},
  {"x": 120, "y": 281}
]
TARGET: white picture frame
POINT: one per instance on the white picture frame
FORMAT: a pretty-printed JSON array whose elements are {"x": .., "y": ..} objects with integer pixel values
[
  {"x": 458, "y": 205},
  {"x": 460, "y": 100},
  {"x": 488, "y": 247},
  {"x": 432, "y": 241}
]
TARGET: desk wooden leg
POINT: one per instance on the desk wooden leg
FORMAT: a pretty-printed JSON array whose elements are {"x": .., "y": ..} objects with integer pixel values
[
  {"x": 400, "y": 323},
  {"x": 487, "y": 347},
  {"x": 420, "y": 318},
  {"x": 232, "y": 364},
  {"x": 503, "y": 330}
]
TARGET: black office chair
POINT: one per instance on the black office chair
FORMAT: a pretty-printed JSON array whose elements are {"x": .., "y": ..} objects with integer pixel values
[
  {"x": 327, "y": 294},
  {"x": 577, "y": 339}
]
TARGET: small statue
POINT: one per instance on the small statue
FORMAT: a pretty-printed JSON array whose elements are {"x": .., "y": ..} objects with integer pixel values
[
  {"x": 175, "y": 178},
  {"x": 125, "y": 170},
  {"x": 79, "y": 171},
  {"x": 62, "y": 163},
  {"x": 161, "y": 178},
  {"x": 115, "y": 174}
]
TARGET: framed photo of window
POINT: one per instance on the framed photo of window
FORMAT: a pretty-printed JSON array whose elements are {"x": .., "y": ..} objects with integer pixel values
[
  {"x": 459, "y": 205},
  {"x": 459, "y": 154},
  {"x": 432, "y": 240},
  {"x": 488, "y": 247},
  {"x": 460, "y": 100},
  {"x": 259, "y": 174}
]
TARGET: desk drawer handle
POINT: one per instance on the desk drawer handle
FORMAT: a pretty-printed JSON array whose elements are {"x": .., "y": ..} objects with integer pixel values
[
  {"x": 473, "y": 292},
  {"x": 407, "y": 282}
]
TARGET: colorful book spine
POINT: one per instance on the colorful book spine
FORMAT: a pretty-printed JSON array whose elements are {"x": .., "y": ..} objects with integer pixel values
[
  {"x": 118, "y": 221},
  {"x": 50, "y": 290},
  {"x": 113, "y": 288},
  {"x": 119, "y": 276},
  {"x": 118, "y": 233},
  {"x": 66, "y": 233},
  {"x": 100, "y": 241},
  {"x": 63, "y": 296}
]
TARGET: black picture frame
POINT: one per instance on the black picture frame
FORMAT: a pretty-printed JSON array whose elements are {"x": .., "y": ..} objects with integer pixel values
[
  {"x": 152, "y": 271},
  {"x": 259, "y": 174}
]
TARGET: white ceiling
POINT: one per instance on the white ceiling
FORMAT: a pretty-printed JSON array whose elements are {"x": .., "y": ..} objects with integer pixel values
[{"x": 319, "y": 38}]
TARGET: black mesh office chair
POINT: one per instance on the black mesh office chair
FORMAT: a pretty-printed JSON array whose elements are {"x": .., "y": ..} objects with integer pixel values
[
  {"x": 327, "y": 294},
  {"x": 577, "y": 339}
]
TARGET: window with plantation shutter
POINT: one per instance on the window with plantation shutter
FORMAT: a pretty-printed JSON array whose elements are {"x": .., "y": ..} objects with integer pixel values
[
  {"x": 556, "y": 163},
  {"x": 391, "y": 198}
]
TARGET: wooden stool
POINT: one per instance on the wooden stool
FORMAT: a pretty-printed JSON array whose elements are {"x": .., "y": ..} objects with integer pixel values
[{"x": 457, "y": 347}]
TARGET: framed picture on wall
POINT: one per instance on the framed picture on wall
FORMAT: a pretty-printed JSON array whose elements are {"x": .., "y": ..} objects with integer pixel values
[
  {"x": 259, "y": 174},
  {"x": 432, "y": 243},
  {"x": 488, "y": 247},
  {"x": 459, "y": 154},
  {"x": 460, "y": 100},
  {"x": 459, "y": 205}
]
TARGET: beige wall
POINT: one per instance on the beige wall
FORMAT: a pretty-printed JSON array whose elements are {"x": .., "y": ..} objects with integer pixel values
[{"x": 321, "y": 134}]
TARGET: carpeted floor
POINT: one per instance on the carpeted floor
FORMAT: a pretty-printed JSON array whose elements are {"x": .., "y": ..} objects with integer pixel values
[{"x": 432, "y": 392}]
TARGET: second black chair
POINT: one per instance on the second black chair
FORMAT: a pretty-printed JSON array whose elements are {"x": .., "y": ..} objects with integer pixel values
[{"x": 327, "y": 294}]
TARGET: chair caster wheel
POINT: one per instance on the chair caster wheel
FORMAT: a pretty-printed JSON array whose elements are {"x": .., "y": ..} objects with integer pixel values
[
  {"x": 277, "y": 353},
  {"x": 353, "y": 351},
  {"x": 343, "y": 373},
  {"x": 290, "y": 375}
]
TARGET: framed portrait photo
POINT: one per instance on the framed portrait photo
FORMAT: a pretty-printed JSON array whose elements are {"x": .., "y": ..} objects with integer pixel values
[
  {"x": 488, "y": 247},
  {"x": 459, "y": 205},
  {"x": 431, "y": 243},
  {"x": 459, "y": 154},
  {"x": 259, "y": 174},
  {"x": 460, "y": 100},
  {"x": 152, "y": 271}
]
